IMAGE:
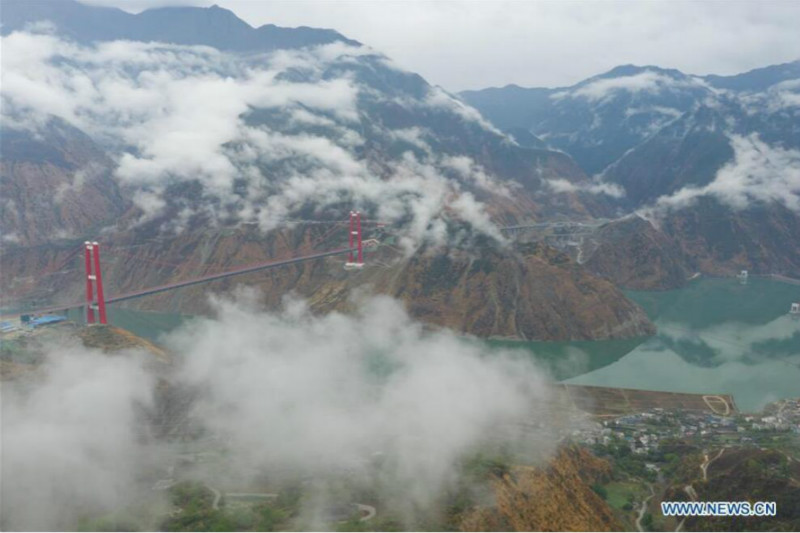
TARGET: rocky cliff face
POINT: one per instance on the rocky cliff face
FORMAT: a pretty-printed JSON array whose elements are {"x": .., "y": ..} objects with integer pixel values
[{"x": 555, "y": 497}]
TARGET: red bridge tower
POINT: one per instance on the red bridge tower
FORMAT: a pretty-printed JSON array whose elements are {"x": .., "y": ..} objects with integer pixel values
[
  {"x": 355, "y": 242},
  {"x": 94, "y": 283}
]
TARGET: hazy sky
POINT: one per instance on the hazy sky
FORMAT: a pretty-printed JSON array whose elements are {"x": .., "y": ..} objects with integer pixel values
[{"x": 474, "y": 44}]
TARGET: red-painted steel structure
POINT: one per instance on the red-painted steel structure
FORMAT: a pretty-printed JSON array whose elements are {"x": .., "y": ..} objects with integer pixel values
[
  {"x": 351, "y": 235},
  {"x": 94, "y": 283},
  {"x": 89, "y": 285},
  {"x": 101, "y": 302},
  {"x": 360, "y": 248},
  {"x": 355, "y": 241}
]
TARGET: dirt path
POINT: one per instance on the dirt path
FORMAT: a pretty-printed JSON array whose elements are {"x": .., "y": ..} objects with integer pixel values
[
  {"x": 791, "y": 460},
  {"x": 643, "y": 509},
  {"x": 369, "y": 510},
  {"x": 712, "y": 398},
  {"x": 707, "y": 462},
  {"x": 690, "y": 489},
  {"x": 217, "y": 496}
]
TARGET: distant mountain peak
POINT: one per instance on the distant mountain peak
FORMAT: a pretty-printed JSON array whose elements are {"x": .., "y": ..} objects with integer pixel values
[
  {"x": 757, "y": 79},
  {"x": 632, "y": 70},
  {"x": 187, "y": 25}
]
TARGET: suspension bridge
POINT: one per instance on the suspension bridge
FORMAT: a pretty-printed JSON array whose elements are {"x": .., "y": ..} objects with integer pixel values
[{"x": 96, "y": 300}]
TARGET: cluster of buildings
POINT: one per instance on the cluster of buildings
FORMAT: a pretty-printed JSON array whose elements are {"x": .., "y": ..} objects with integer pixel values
[
  {"x": 646, "y": 430},
  {"x": 783, "y": 415}
]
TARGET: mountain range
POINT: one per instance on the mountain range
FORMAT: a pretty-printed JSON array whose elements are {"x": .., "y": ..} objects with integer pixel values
[
  {"x": 215, "y": 27},
  {"x": 712, "y": 162},
  {"x": 191, "y": 142}
]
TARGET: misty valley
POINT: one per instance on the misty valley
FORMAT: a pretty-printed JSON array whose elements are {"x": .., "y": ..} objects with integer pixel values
[
  {"x": 371, "y": 423},
  {"x": 709, "y": 324}
]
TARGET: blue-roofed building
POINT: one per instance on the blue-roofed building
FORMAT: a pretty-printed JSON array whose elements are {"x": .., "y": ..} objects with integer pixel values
[{"x": 47, "y": 320}]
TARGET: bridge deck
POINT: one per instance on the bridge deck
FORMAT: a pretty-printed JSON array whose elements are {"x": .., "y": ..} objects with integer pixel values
[{"x": 202, "y": 279}]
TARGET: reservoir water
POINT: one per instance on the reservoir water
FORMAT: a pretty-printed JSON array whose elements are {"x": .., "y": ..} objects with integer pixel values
[{"x": 715, "y": 336}]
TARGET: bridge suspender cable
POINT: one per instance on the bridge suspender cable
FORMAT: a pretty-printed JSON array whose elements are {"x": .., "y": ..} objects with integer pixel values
[
  {"x": 212, "y": 277},
  {"x": 95, "y": 297}
]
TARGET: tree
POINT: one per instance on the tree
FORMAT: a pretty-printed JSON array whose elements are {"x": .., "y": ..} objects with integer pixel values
[{"x": 647, "y": 521}]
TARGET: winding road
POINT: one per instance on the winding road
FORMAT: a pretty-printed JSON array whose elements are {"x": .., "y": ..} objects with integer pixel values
[
  {"x": 704, "y": 469},
  {"x": 368, "y": 510},
  {"x": 217, "y": 496},
  {"x": 643, "y": 509},
  {"x": 707, "y": 462}
]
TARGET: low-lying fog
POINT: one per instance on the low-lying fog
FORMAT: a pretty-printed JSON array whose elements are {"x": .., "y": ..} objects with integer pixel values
[{"x": 285, "y": 394}]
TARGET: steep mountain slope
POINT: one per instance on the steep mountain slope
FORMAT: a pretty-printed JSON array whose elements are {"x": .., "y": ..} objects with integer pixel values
[
  {"x": 722, "y": 181},
  {"x": 744, "y": 474},
  {"x": 707, "y": 237},
  {"x": 599, "y": 119},
  {"x": 758, "y": 79},
  {"x": 687, "y": 152},
  {"x": 635, "y": 255},
  {"x": 55, "y": 184},
  {"x": 554, "y": 497},
  {"x": 762, "y": 239},
  {"x": 263, "y": 124},
  {"x": 691, "y": 150},
  {"x": 528, "y": 295}
]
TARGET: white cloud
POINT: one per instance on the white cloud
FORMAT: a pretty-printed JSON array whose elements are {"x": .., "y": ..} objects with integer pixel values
[
  {"x": 758, "y": 173},
  {"x": 647, "y": 81},
  {"x": 667, "y": 112},
  {"x": 781, "y": 97},
  {"x": 414, "y": 136},
  {"x": 181, "y": 114},
  {"x": 70, "y": 444},
  {"x": 286, "y": 394},
  {"x": 312, "y": 403},
  {"x": 11, "y": 238},
  {"x": 470, "y": 171},
  {"x": 561, "y": 185},
  {"x": 438, "y": 97},
  {"x": 79, "y": 179}
]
